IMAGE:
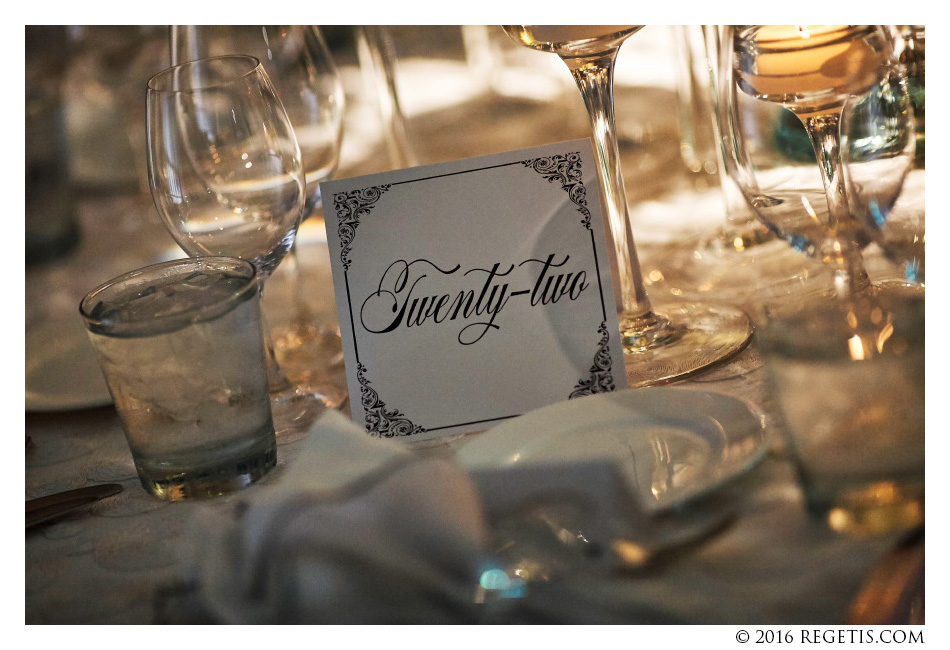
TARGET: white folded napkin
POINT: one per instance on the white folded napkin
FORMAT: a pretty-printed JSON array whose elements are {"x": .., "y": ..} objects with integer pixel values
[
  {"x": 362, "y": 530},
  {"x": 359, "y": 530}
]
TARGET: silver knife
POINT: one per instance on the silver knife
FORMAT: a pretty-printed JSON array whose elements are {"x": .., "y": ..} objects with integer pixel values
[{"x": 44, "y": 509}]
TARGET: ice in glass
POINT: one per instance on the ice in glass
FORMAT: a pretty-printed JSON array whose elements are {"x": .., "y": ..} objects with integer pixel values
[{"x": 181, "y": 348}]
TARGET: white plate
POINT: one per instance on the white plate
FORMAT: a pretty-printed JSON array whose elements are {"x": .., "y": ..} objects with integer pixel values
[
  {"x": 119, "y": 233},
  {"x": 671, "y": 444},
  {"x": 62, "y": 372}
]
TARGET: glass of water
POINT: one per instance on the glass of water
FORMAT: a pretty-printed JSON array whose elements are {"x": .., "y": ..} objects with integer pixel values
[
  {"x": 179, "y": 344},
  {"x": 848, "y": 379}
]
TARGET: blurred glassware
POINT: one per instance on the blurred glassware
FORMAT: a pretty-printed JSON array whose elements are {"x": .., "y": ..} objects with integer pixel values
[
  {"x": 445, "y": 78},
  {"x": 51, "y": 226},
  {"x": 899, "y": 231},
  {"x": 377, "y": 61},
  {"x": 848, "y": 377},
  {"x": 105, "y": 104},
  {"x": 228, "y": 179},
  {"x": 734, "y": 256},
  {"x": 510, "y": 71},
  {"x": 878, "y": 150},
  {"x": 910, "y": 48},
  {"x": 299, "y": 64},
  {"x": 704, "y": 146},
  {"x": 646, "y": 77},
  {"x": 784, "y": 91},
  {"x": 695, "y": 86},
  {"x": 686, "y": 337}
]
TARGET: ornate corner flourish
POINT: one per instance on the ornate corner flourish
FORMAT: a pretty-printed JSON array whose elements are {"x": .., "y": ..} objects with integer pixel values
[
  {"x": 382, "y": 422},
  {"x": 601, "y": 379},
  {"x": 350, "y": 207},
  {"x": 565, "y": 168}
]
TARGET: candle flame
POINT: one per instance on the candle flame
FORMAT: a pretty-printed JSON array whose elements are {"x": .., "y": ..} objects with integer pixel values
[
  {"x": 856, "y": 347},
  {"x": 885, "y": 334}
]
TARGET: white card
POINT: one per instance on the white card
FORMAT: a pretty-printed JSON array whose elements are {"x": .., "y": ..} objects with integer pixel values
[{"x": 473, "y": 291}]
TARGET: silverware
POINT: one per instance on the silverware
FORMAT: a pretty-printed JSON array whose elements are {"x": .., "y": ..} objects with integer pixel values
[
  {"x": 50, "y": 507},
  {"x": 634, "y": 557},
  {"x": 893, "y": 593}
]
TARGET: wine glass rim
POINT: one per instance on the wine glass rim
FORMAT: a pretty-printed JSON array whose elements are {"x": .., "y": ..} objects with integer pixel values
[
  {"x": 155, "y": 83},
  {"x": 840, "y": 34}
]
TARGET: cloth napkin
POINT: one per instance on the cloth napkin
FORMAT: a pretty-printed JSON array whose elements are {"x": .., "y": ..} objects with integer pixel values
[
  {"x": 363, "y": 530},
  {"x": 358, "y": 530}
]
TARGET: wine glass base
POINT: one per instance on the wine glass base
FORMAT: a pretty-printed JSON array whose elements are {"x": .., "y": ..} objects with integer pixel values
[
  {"x": 899, "y": 289},
  {"x": 700, "y": 337},
  {"x": 293, "y": 412},
  {"x": 311, "y": 357},
  {"x": 740, "y": 272},
  {"x": 878, "y": 291}
]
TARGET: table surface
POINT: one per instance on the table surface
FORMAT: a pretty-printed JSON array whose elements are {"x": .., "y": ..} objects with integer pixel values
[
  {"x": 116, "y": 561},
  {"x": 112, "y": 563}
]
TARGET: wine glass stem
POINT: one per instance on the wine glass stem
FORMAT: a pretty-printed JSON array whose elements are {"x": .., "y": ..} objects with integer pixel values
[
  {"x": 302, "y": 316},
  {"x": 845, "y": 255},
  {"x": 594, "y": 78},
  {"x": 277, "y": 382}
]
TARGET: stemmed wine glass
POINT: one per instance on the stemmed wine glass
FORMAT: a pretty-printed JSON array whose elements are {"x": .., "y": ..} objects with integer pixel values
[
  {"x": 741, "y": 261},
  {"x": 877, "y": 153},
  {"x": 227, "y": 178},
  {"x": 820, "y": 135},
  {"x": 797, "y": 95},
  {"x": 685, "y": 337},
  {"x": 308, "y": 84}
]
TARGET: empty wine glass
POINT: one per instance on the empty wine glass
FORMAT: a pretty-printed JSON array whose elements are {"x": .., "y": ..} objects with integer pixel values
[
  {"x": 685, "y": 337},
  {"x": 226, "y": 176},
  {"x": 308, "y": 84},
  {"x": 785, "y": 90}
]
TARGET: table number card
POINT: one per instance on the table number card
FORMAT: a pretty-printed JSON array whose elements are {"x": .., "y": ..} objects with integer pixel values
[{"x": 472, "y": 291}]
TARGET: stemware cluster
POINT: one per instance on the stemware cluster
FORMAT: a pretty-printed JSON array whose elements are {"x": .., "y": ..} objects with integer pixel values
[
  {"x": 685, "y": 337},
  {"x": 816, "y": 130},
  {"x": 797, "y": 96},
  {"x": 819, "y": 133},
  {"x": 242, "y": 129},
  {"x": 299, "y": 64},
  {"x": 227, "y": 178}
]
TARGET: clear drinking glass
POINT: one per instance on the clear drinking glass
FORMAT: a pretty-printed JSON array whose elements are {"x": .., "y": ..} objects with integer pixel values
[
  {"x": 848, "y": 378},
  {"x": 179, "y": 344},
  {"x": 308, "y": 84},
  {"x": 797, "y": 102},
  {"x": 684, "y": 337},
  {"x": 227, "y": 179}
]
